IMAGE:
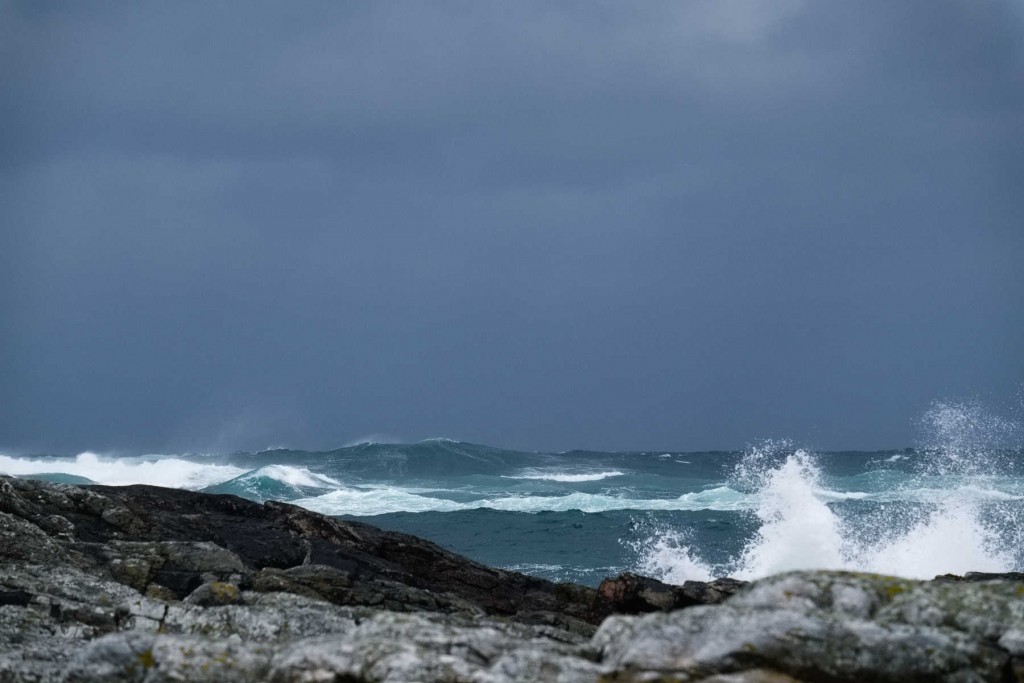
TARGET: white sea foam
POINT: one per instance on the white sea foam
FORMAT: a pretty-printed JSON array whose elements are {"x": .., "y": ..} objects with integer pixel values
[
  {"x": 585, "y": 502},
  {"x": 383, "y": 499},
  {"x": 563, "y": 476},
  {"x": 947, "y": 531},
  {"x": 388, "y": 499},
  {"x": 721, "y": 498},
  {"x": 376, "y": 501},
  {"x": 156, "y": 470},
  {"x": 535, "y": 568},
  {"x": 835, "y": 496}
]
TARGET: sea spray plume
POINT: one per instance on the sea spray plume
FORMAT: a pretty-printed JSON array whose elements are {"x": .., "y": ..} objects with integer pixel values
[
  {"x": 951, "y": 537},
  {"x": 797, "y": 530},
  {"x": 969, "y": 445},
  {"x": 966, "y": 526},
  {"x": 966, "y": 438},
  {"x": 667, "y": 554}
]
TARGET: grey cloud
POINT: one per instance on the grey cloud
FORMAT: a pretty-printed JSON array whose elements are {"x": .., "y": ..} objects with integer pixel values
[{"x": 534, "y": 225}]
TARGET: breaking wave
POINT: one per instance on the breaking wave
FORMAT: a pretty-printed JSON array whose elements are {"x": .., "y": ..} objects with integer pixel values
[
  {"x": 275, "y": 482},
  {"x": 172, "y": 472},
  {"x": 916, "y": 531}
]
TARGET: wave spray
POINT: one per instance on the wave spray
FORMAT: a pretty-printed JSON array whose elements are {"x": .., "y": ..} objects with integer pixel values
[{"x": 950, "y": 515}]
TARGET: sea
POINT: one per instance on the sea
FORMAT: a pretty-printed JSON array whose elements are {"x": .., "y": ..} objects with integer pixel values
[{"x": 952, "y": 503}]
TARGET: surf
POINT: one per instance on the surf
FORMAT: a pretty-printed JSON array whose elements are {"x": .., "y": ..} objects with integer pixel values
[{"x": 944, "y": 518}]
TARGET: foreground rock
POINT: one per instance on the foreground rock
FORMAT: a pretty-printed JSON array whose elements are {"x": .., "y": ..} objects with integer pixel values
[
  {"x": 166, "y": 543},
  {"x": 152, "y": 585}
]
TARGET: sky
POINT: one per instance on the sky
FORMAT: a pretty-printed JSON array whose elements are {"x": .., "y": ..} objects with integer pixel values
[{"x": 537, "y": 225}]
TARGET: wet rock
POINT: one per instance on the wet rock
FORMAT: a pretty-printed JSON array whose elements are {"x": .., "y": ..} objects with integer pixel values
[
  {"x": 990, "y": 576},
  {"x": 633, "y": 594}
]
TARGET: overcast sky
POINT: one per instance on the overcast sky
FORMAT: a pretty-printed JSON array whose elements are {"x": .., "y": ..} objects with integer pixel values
[{"x": 540, "y": 225}]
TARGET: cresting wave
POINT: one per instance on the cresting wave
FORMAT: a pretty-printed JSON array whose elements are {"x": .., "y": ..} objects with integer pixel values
[{"x": 292, "y": 476}]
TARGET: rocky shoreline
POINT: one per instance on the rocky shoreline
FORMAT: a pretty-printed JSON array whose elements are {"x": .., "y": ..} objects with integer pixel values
[{"x": 149, "y": 584}]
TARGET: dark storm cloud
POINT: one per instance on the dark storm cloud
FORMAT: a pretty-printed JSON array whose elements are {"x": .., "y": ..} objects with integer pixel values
[{"x": 527, "y": 224}]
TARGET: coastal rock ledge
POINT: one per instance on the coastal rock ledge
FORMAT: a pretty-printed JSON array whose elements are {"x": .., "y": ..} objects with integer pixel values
[{"x": 144, "y": 584}]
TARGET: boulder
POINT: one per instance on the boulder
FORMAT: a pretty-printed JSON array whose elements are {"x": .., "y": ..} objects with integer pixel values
[{"x": 633, "y": 594}]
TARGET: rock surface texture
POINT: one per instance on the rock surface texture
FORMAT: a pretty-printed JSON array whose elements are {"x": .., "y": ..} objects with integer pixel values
[{"x": 151, "y": 585}]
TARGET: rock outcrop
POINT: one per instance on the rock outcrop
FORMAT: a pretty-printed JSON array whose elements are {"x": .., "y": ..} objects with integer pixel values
[
  {"x": 167, "y": 543},
  {"x": 153, "y": 585}
]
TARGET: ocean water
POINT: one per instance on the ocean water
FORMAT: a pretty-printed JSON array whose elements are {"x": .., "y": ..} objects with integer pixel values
[{"x": 954, "y": 503}]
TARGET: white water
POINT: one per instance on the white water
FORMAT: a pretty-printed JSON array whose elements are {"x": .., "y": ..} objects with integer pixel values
[
  {"x": 293, "y": 476},
  {"x": 948, "y": 533},
  {"x": 388, "y": 499},
  {"x": 155, "y": 470},
  {"x": 563, "y": 476}
]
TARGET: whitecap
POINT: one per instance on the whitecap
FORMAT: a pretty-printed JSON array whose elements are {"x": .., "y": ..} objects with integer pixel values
[
  {"x": 156, "y": 470},
  {"x": 563, "y": 476}
]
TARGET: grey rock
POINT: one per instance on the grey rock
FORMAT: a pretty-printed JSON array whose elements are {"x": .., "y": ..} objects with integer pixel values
[
  {"x": 20, "y": 540},
  {"x": 214, "y": 593},
  {"x": 123, "y": 518},
  {"x": 986, "y": 610},
  {"x": 827, "y": 625},
  {"x": 134, "y": 657}
]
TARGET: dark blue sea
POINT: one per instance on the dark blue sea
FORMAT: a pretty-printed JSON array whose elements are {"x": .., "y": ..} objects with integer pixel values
[{"x": 953, "y": 503}]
